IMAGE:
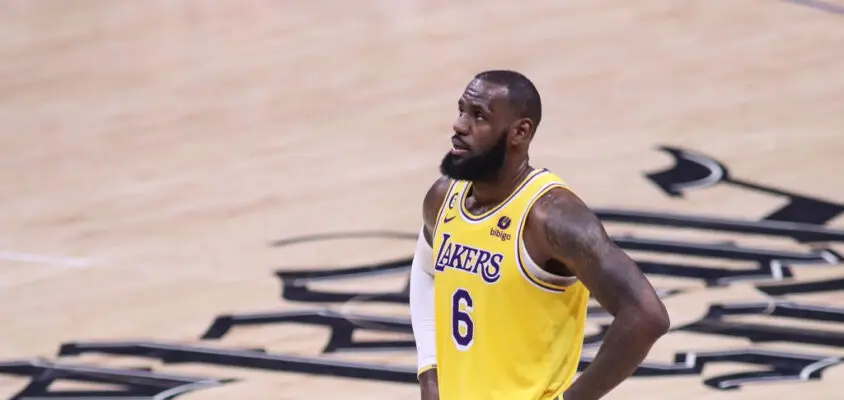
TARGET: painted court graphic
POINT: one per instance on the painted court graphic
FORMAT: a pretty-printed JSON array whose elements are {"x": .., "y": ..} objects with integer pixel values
[{"x": 771, "y": 270}]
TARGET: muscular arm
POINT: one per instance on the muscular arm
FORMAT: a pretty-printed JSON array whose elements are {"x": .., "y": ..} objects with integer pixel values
[
  {"x": 422, "y": 294},
  {"x": 572, "y": 234},
  {"x": 431, "y": 205}
]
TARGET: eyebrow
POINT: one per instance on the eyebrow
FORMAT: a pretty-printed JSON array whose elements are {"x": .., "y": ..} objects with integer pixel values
[{"x": 474, "y": 104}]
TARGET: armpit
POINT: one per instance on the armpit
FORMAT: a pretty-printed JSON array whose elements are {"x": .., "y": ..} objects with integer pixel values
[
  {"x": 538, "y": 260},
  {"x": 543, "y": 275}
]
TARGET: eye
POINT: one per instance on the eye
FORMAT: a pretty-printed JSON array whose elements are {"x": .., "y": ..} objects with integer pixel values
[{"x": 479, "y": 116}]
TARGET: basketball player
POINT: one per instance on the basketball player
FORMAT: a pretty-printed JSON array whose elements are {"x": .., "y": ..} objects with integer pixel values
[{"x": 505, "y": 263}]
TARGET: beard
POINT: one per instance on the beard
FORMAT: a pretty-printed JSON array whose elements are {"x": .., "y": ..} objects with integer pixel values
[{"x": 478, "y": 167}]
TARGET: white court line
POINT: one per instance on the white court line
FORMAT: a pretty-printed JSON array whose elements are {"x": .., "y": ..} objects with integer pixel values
[{"x": 33, "y": 258}]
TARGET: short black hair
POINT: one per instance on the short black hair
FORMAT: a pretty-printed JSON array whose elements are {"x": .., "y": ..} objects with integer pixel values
[{"x": 521, "y": 92}]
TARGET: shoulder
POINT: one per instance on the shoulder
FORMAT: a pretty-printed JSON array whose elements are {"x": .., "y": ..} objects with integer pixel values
[
  {"x": 564, "y": 223},
  {"x": 559, "y": 202},
  {"x": 434, "y": 199}
]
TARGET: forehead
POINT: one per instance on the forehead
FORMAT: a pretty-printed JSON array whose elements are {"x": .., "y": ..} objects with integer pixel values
[{"x": 485, "y": 94}]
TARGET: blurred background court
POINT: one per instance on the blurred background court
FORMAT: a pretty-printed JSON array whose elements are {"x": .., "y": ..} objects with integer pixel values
[{"x": 154, "y": 153}]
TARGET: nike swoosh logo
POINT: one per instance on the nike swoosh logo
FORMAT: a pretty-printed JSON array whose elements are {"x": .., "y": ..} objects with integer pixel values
[{"x": 447, "y": 219}]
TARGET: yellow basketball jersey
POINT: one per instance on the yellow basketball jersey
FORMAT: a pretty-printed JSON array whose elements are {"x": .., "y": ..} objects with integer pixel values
[{"x": 503, "y": 332}]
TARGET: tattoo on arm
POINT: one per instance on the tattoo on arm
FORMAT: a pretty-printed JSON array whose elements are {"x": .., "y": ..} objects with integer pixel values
[{"x": 575, "y": 236}]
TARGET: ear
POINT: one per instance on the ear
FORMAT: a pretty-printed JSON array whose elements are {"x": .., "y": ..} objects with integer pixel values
[{"x": 522, "y": 131}]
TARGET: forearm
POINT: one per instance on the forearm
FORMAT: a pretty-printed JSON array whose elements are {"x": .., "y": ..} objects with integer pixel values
[
  {"x": 422, "y": 316},
  {"x": 626, "y": 344},
  {"x": 429, "y": 385}
]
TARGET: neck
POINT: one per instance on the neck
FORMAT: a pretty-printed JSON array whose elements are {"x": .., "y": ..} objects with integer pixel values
[{"x": 496, "y": 190}]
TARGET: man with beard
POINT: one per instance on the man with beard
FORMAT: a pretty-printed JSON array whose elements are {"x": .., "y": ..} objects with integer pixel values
[{"x": 506, "y": 261}]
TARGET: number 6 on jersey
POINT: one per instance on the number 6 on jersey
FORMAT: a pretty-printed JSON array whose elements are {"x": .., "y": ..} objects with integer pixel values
[{"x": 462, "y": 326}]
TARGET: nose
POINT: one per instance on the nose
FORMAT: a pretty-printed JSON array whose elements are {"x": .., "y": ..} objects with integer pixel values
[{"x": 460, "y": 126}]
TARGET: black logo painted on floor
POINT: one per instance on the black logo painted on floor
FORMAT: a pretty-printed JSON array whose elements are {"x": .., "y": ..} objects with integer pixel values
[{"x": 802, "y": 220}]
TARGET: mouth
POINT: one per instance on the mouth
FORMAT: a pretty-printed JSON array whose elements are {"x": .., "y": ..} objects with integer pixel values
[{"x": 458, "y": 147}]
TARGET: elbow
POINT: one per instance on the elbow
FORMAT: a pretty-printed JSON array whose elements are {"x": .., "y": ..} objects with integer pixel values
[
  {"x": 655, "y": 320},
  {"x": 649, "y": 320}
]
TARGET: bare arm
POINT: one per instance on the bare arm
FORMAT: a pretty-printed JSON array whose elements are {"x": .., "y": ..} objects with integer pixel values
[
  {"x": 431, "y": 205},
  {"x": 572, "y": 234},
  {"x": 433, "y": 200}
]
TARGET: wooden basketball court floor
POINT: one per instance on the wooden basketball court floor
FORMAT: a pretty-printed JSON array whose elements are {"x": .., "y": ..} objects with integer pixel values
[{"x": 154, "y": 153}]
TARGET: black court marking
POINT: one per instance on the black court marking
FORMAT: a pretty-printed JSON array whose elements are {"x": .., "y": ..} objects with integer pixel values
[
  {"x": 245, "y": 358},
  {"x": 138, "y": 383},
  {"x": 320, "y": 237},
  {"x": 694, "y": 171},
  {"x": 770, "y": 270},
  {"x": 779, "y": 367},
  {"x": 819, "y": 5}
]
